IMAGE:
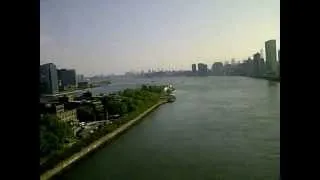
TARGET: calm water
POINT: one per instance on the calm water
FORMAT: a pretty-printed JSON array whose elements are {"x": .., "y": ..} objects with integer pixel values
[{"x": 219, "y": 128}]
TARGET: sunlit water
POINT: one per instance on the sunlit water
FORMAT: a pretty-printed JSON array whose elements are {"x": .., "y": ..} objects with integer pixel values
[{"x": 218, "y": 128}]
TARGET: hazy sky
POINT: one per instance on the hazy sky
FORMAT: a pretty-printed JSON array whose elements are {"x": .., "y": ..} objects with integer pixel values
[{"x": 115, "y": 36}]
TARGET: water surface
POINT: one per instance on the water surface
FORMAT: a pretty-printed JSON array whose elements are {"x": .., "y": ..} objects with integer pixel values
[{"x": 218, "y": 128}]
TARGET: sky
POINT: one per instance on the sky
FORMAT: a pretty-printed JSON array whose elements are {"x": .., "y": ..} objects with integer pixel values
[{"x": 116, "y": 36}]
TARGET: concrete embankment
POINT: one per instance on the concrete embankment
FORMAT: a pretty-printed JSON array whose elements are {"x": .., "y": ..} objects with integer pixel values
[
  {"x": 61, "y": 166},
  {"x": 275, "y": 79}
]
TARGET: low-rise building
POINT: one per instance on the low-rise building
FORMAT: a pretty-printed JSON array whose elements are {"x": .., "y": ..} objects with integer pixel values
[{"x": 66, "y": 115}]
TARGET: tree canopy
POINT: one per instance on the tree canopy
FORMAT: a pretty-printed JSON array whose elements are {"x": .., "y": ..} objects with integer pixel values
[{"x": 53, "y": 134}]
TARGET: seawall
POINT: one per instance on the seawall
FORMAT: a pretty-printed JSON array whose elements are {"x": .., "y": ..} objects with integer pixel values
[
  {"x": 269, "y": 78},
  {"x": 98, "y": 143}
]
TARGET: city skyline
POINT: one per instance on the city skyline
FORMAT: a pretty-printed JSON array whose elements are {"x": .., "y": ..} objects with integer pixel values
[
  {"x": 270, "y": 47},
  {"x": 100, "y": 37}
]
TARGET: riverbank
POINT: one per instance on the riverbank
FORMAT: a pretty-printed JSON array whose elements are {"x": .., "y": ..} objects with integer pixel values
[
  {"x": 93, "y": 146},
  {"x": 276, "y": 79}
]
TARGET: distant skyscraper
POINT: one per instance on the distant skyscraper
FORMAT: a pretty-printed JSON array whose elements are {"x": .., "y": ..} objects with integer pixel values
[
  {"x": 279, "y": 62},
  {"x": 80, "y": 78},
  {"x": 249, "y": 68},
  {"x": 261, "y": 53},
  {"x": 48, "y": 79},
  {"x": 233, "y": 61},
  {"x": 258, "y": 65},
  {"x": 256, "y": 57},
  {"x": 202, "y": 69},
  {"x": 194, "y": 68},
  {"x": 67, "y": 77},
  {"x": 217, "y": 68},
  {"x": 271, "y": 56}
]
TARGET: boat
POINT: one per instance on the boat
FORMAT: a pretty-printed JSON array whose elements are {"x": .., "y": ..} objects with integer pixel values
[
  {"x": 171, "y": 88},
  {"x": 169, "y": 93},
  {"x": 171, "y": 98}
]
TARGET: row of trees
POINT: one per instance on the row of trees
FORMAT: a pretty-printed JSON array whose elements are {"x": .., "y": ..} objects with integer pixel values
[{"x": 121, "y": 103}]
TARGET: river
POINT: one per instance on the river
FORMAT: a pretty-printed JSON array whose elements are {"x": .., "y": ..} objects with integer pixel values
[{"x": 219, "y": 128}]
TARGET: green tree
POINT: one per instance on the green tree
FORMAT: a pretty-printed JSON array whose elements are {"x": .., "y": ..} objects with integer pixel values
[
  {"x": 53, "y": 133},
  {"x": 144, "y": 87},
  {"x": 123, "y": 108},
  {"x": 128, "y": 93},
  {"x": 130, "y": 105}
]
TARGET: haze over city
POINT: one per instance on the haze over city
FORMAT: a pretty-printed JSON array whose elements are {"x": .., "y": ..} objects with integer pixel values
[{"x": 105, "y": 37}]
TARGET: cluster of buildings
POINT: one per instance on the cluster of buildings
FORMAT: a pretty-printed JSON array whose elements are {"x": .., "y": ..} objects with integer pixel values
[
  {"x": 253, "y": 66},
  {"x": 64, "y": 113},
  {"x": 256, "y": 67},
  {"x": 68, "y": 110},
  {"x": 69, "y": 106},
  {"x": 53, "y": 80},
  {"x": 83, "y": 108}
]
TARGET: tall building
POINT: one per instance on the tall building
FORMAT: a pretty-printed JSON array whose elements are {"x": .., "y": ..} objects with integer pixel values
[
  {"x": 233, "y": 61},
  {"x": 48, "y": 79},
  {"x": 194, "y": 68},
  {"x": 80, "y": 78},
  {"x": 262, "y": 67},
  {"x": 258, "y": 65},
  {"x": 271, "y": 57},
  {"x": 250, "y": 67},
  {"x": 279, "y": 62},
  {"x": 202, "y": 69},
  {"x": 67, "y": 77},
  {"x": 217, "y": 68},
  {"x": 262, "y": 53}
]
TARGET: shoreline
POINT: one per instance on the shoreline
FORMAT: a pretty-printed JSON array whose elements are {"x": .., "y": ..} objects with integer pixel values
[
  {"x": 96, "y": 144},
  {"x": 275, "y": 79}
]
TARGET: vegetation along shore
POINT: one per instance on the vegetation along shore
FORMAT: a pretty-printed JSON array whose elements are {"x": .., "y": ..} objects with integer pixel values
[{"x": 63, "y": 143}]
